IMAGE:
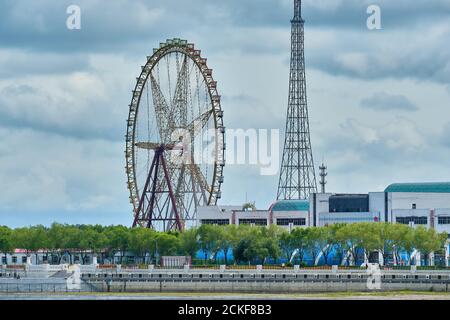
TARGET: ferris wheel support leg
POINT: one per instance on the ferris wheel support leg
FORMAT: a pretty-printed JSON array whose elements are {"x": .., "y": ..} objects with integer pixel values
[
  {"x": 172, "y": 197},
  {"x": 141, "y": 201},
  {"x": 158, "y": 156}
]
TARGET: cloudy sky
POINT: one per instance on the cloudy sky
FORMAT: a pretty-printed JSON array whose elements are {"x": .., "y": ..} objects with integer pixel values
[{"x": 379, "y": 100}]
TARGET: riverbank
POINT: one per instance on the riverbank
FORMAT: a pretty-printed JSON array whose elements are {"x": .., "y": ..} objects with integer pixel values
[{"x": 400, "y": 295}]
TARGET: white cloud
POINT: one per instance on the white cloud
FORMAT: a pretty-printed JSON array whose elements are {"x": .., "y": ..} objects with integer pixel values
[
  {"x": 383, "y": 101},
  {"x": 89, "y": 104},
  {"x": 359, "y": 132},
  {"x": 42, "y": 171},
  {"x": 64, "y": 95}
]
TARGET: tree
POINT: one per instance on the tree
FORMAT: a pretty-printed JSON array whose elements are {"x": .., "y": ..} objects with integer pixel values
[
  {"x": 393, "y": 238},
  {"x": 56, "y": 239},
  {"x": 167, "y": 244},
  {"x": 209, "y": 236},
  {"x": 93, "y": 240},
  {"x": 38, "y": 239},
  {"x": 271, "y": 240},
  {"x": 349, "y": 236},
  {"x": 71, "y": 240},
  {"x": 239, "y": 242},
  {"x": 117, "y": 239},
  {"x": 299, "y": 242},
  {"x": 189, "y": 244},
  {"x": 21, "y": 240},
  {"x": 249, "y": 206},
  {"x": 337, "y": 245},
  {"x": 287, "y": 244},
  {"x": 385, "y": 238},
  {"x": 427, "y": 241},
  {"x": 226, "y": 239},
  {"x": 239, "y": 249},
  {"x": 248, "y": 243},
  {"x": 318, "y": 242},
  {"x": 402, "y": 240},
  {"x": 6, "y": 245},
  {"x": 369, "y": 237},
  {"x": 142, "y": 241},
  {"x": 258, "y": 243},
  {"x": 325, "y": 242}
]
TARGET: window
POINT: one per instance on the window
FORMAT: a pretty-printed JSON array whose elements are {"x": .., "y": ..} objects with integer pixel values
[
  {"x": 415, "y": 220},
  {"x": 414, "y": 206},
  {"x": 219, "y": 222},
  {"x": 295, "y": 222},
  {"x": 24, "y": 259},
  {"x": 443, "y": 220},
  {"x": 349, "y": 203},
  {"x": 328, "y": 220},
  {"x": 256, "y": 222},
  {"x": 3, "y": 260},
  {"x": 14, "y": 259}
]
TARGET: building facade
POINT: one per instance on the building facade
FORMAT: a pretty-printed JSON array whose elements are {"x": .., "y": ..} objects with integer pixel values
[
  {"x": 287, "y": 214},
  {"x": 426, "y": 204}
]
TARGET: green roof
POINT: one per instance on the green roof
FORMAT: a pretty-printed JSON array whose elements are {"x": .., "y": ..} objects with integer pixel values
[
  {"x": 291, "y": 205},
  {"x": 434, "y": 187}
]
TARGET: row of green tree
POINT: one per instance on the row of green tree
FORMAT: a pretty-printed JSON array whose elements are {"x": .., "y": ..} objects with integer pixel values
[
  {"x": 332, "y": 243},
  {"x": 248, "y": 244}
]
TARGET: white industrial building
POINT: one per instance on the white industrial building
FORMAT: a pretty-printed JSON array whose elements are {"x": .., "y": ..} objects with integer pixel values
[
  {"x": 328, "y": 208},
  {"x": 290, "y": 213},
  {"x": 286, "y": 213},
  {"x": 425, "y": 204},
  {"x": 219, "y": 215}
]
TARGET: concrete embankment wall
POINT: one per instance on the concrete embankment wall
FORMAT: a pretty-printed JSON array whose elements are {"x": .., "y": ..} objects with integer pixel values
[
  {"x": 226, "y": 281},
  {"x": 260, "y": 287},
  {"x": 56, "y": 285},
  {"x": 39, "y": 285}
]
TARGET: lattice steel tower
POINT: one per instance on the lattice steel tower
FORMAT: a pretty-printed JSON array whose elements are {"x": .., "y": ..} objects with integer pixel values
[{"x": 297, "y": 176}]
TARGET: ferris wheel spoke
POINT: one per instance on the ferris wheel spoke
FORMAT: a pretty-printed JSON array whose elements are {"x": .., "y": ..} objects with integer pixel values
[
  {"x": 180, "y": 97},
  {"x": 198, "y": 123},
  {"x": 162, "y": 110},
  {"x": 198, "y": 176},
  {"x": 179, "y": 189},
  {"x": 191, "y": 201},
  {"x": 194, "y": 193}
]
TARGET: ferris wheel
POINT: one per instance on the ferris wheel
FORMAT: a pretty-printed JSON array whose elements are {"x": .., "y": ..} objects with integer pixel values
[{"x": 175, "y": 138}]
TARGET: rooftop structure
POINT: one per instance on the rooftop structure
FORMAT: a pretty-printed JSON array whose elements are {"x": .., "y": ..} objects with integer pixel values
[
  {"x": 290, "y": 205},
  {"x": 429, "y": 187}
]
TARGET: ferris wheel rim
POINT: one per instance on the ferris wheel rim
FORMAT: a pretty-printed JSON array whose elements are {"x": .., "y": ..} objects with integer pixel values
[{"x": 188, "y": 49}]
